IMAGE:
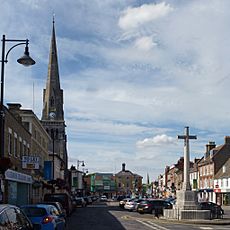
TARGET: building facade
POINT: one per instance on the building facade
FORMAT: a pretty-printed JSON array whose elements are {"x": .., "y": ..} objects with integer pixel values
[
  {"x": 16, "y": 183},
  {"x": 128, "y": 183},
  {"x": 222, "y": 184}
]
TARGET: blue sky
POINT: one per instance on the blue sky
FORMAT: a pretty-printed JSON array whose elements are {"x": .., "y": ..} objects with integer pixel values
[{"x": 134, "y": 73}]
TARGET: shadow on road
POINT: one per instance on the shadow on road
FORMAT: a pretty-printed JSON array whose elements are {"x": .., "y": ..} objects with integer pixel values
[{"x": 95, "y": 217}]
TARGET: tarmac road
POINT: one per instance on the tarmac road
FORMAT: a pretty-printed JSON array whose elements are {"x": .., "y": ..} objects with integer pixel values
[{"x": 108, "y": 216}]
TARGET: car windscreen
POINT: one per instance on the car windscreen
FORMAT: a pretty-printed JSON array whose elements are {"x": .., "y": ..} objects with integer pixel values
[{"x": 34, "y": 211}]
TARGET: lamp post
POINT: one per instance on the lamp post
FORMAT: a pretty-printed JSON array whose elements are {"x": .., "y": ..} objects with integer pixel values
[{"x": 25, "y": 60}]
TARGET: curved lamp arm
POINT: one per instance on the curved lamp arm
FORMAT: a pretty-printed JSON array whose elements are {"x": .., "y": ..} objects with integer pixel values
[{"x": 22, "y": 43}]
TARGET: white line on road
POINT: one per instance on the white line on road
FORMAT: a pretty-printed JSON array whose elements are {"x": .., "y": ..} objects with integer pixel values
[
  {"x": 206, "y": 228},
  {"x": 152, "y": 225}
]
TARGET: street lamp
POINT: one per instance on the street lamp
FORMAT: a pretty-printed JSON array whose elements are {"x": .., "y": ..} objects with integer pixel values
[
  {"x": 78, "y": 163},
  {"x": 25, "y": 60}
]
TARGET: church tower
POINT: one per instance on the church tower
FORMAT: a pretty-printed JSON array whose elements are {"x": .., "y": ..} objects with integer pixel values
[{"x": 53, "y": 113}]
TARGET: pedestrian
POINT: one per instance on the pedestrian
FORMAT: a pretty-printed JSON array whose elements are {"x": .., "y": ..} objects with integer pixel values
[{"x": 157, "y": 213}]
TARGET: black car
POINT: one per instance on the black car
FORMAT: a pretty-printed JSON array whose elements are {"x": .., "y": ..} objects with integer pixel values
[
  {"x": 63, "y": 198},
  {"x": 11, "y": 217},
  {"x": 153, "y": 206},
  {"x": 216, "y": 210}
]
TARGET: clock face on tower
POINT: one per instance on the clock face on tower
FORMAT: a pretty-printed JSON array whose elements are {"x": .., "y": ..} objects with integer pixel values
[{"x": 52, "y": 115}]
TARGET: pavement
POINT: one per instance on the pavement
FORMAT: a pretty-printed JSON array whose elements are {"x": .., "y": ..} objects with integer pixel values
[{"x": 224, "y": 221}]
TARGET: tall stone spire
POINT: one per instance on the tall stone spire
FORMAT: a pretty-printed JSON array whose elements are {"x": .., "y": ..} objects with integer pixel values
[
  {"x": 53, "y": 114},
  {"x": 53, "y": 94}
]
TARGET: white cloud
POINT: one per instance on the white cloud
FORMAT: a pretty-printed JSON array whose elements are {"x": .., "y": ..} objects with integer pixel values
[
  {"x": 145, "y": 43},
  {"x": 137, "y": 16},
  {"x": 162, "y": 139}
]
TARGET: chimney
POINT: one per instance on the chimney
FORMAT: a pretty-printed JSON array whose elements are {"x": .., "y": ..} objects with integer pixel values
[
  {"x": 123, "y": 167},
  {"x": 227, "y": 140},
  {"x": 209, "y": 147},
  {"x": 14, "y": 109}
]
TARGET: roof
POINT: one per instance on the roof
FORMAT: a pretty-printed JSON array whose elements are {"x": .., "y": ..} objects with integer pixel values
[
  {"x": 209, "y": 158},
  {"x": 224, "y": 174}
]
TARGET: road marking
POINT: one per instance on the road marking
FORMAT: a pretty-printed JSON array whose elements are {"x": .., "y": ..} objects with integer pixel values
[
  {"x": 206, "y": 228},
  {"x": 152, "y": 225}
]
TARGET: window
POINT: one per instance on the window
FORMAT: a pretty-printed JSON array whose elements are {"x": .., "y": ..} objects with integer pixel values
[
  {"x": 13, "y": 218},
  {"x": 15, "y": 145},
  {"x": 24, "y": 149},
  {"x": 20, "y": 150},
  {"x": 221, "y": 183},
  {"x": 4, "y": 222},
  {"x": 10, "y": 143}
]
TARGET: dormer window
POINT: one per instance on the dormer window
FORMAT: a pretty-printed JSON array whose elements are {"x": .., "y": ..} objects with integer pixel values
[{"x": 224, "y": 169}]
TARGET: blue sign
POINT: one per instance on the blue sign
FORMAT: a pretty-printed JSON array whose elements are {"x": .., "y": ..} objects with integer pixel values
[{"x": 48, "y": 170}]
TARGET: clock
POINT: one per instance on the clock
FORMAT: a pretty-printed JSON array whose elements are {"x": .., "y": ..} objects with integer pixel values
[{"x": 52, "y": 115}]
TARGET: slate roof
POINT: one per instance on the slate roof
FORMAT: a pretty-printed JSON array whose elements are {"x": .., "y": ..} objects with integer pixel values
[{"x": 221, "y": 174}]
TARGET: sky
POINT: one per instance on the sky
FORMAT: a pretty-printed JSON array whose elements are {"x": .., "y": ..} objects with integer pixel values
[{"x": 134, "y": 74}]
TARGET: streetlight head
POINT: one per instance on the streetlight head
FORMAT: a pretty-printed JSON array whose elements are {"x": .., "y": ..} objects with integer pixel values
[{"x": 26, "y": 60}]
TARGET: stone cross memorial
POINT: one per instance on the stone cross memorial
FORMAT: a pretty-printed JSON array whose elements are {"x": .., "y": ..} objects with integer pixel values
[{"x": 186, "y": 137}]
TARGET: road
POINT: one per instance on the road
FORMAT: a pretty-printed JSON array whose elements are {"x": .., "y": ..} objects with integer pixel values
[{"x": 102, "y": 216}]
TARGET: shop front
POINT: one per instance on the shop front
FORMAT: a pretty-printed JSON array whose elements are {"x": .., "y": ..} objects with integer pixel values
[
  {"x": 222, "y": 196},
  {"x": 17, "y": 187}
]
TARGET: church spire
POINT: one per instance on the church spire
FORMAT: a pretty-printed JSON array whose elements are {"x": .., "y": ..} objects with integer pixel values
[{"x": 53, "y": 94}]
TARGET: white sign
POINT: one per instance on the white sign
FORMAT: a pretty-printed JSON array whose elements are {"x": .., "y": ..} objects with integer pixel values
[
  {"x": 17, "y": 176},
  {"x": 30, "y": 162}
]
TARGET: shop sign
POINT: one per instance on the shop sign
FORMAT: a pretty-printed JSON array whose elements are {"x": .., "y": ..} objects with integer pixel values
[
  {"x": 17, "y": 176},
  {"x": 30, "y": 162}
]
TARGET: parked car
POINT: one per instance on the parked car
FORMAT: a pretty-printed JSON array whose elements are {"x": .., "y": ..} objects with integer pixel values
[
  {"x": 103, "y": 198},
  {"x": 153, "y": 206},
  {"x": 120, "y": 198},
  {"x": 172, "y": 200},
  {"x": 59, "y": 207},
  {"x": 64, "y": 198},
  {"x": 132, "y": 204},
  {"x": 44, "y": 215},
  {"x": 122, "y": 202},
  {"x": 216, "y": 210},
  {"x": 79, "y": 202},
  {"x": 12, "y": 217},
  {"x": 88, "y": 200}
]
